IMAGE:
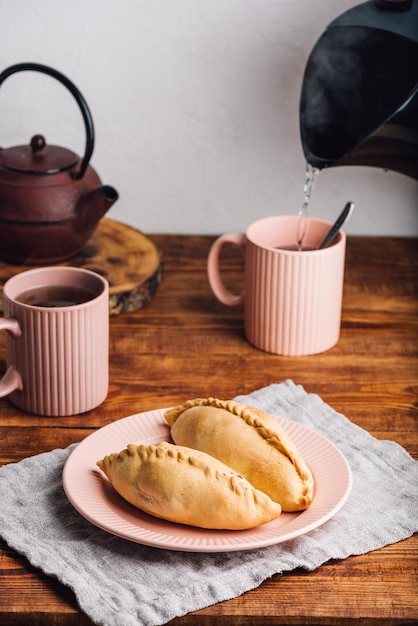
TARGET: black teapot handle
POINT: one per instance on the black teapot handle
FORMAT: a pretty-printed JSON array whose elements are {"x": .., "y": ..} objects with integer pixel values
[{"x": 85, "y": 111}]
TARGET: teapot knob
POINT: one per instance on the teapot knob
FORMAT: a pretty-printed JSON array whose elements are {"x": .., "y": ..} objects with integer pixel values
[{"x": 37, "y": 143}]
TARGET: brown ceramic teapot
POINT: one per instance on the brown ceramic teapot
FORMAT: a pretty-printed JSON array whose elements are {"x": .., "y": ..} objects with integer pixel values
[{"x": 50, "y": 200}]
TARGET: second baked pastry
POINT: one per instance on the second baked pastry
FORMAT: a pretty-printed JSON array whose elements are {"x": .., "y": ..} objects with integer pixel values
[{"x": 251, "y": 442}]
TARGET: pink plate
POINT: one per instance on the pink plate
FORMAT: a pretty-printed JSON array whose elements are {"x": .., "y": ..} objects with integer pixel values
[{"x": 90, "y": 492}]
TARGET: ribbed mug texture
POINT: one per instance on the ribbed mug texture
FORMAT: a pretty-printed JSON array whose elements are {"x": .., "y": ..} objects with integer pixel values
[
  {"x": 62, "y": 356},
  {"x": 293, "y": 301}
]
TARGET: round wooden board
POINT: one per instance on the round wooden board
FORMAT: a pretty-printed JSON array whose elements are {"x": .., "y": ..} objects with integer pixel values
[{"x": 123, "y": 255}]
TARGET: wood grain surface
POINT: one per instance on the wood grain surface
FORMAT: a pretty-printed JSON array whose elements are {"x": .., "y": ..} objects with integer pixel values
[
  {"x": 128, "y": 259},
  {"x": 184, "y": 344}
]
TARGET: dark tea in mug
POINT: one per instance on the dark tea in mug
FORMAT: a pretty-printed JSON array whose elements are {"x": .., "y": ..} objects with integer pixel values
[
  {"x": 53, "y": 296},
  {"x": 297, "y": 248}
]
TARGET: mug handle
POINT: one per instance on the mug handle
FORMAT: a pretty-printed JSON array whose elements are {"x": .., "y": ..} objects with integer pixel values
[
  {"x": 11, "y": 379},
  {"x": 214, "y": 275}
]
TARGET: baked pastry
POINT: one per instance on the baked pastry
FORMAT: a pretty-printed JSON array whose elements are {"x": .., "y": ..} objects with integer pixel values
[
  {"x": 251, "y": 442},
  {"x": 187, "y": 486}
]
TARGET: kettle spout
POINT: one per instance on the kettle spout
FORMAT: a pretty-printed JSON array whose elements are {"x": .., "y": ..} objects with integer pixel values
[{"x": 93, "y": 205}]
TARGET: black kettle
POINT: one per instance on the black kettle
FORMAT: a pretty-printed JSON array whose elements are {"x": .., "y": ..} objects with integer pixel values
[{"x": 359, "y": 99}]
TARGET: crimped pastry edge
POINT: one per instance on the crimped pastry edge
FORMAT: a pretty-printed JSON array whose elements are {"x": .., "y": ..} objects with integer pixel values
[{"x": 253, "y": 417}]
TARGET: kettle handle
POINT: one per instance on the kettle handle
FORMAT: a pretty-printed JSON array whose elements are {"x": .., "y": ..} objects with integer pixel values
[{"x": 85, "y": 111}]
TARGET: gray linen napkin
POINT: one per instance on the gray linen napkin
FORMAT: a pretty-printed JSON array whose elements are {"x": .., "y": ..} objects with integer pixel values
[{"x": 121, "y": 583}]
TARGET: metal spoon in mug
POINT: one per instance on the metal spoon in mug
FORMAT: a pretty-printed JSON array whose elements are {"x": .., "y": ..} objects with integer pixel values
[{"x": 335, "y": 228}]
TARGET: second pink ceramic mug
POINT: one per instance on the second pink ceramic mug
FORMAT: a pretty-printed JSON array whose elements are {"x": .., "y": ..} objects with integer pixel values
[
  {"x": 57, "y": 340},
  {"x": 292, "y": 299}
]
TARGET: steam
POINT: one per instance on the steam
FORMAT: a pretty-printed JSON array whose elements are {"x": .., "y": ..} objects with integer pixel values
[{"x": 355, "y": 79}]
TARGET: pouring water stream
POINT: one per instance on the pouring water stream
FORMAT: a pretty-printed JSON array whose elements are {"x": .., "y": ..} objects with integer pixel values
[{"x": 310, "y": 178}]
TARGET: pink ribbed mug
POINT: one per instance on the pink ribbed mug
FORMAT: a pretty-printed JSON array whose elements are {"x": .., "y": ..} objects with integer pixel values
[
  {"x": 292, "y": 299},
  {"x": 57, "y": 340}
]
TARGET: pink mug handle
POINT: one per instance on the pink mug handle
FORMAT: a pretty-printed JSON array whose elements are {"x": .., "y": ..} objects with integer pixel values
[
  {"x": 11, "y": 379},
  {"x": 214, "y": 275}
]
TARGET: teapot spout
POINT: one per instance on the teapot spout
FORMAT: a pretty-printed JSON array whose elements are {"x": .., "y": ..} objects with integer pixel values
[
  {"x": 98, "y": 201},
  {"x": 93, "y": 205},
  {"x": 109, "y": 194}
]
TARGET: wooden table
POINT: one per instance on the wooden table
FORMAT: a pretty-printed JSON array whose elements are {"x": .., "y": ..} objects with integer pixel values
[{"x": 183, "y": 344}]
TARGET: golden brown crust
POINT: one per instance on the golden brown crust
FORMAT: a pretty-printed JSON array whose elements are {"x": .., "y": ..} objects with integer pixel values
[
  {"x": 187, "y": 486},
  {"x": 250, "y": 441}
]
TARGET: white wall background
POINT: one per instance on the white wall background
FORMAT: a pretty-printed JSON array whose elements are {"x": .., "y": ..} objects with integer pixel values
[{"x": 195, "y": 105}]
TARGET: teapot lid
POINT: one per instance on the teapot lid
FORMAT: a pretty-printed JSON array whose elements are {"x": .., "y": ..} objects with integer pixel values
[{"x": 37, "y": 158}]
